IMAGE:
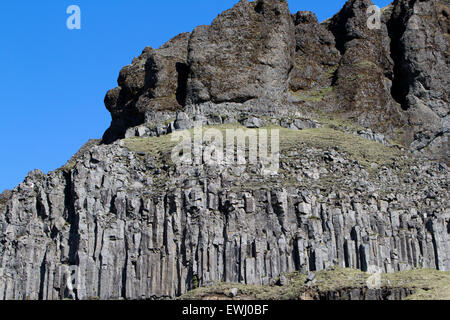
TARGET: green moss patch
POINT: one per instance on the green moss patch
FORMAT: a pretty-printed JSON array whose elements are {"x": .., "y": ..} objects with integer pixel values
[{"x": 314, "y": 95}]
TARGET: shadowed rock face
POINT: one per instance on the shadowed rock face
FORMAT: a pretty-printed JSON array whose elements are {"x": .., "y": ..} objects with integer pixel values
[
  {"x": 316, "y": 57},
  {"x": 134, "y": 226},
  {"x": 420, "y": 47},
  {"x": 4, "y": 197},
  {"x": 363, "y": 79}
]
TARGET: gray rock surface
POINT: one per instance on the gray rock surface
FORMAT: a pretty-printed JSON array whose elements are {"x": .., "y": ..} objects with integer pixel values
[
  {"x": 155, "y": 81},
  {"x": 316, "y": 57},
  {"x": 130, "y": 225},
  {"x": 392, "y": 79},
  {"x": 234, "y": 292},
  {"x": 363, "y": 78},
  {"x": 245, "y": 54},
  {"x": 119, "y": 221},
  {"x": 420, "y": 46}
]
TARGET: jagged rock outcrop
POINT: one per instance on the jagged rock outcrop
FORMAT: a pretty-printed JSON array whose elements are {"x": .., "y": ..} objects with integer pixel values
[
  {"x": 258, "y": 59},
  {"x": 246, "y": 53},
  {"x": 420, "y": 47},
  {"x": 155, "y": 81},
  {"x": 4, "y": 197},
  {"x": 122, "y": 221},
  {"x": 363, "y": 79},
  {"x": 316, "y": 56}
]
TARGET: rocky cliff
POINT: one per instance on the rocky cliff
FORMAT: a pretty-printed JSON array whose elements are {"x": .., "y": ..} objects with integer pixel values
[{"x": 362, "y": 183}]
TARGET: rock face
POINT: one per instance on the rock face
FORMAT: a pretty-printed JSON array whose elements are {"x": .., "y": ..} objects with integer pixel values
[
  {"x": 363, "y": 79},
  {"x": 126, "y": 224},
  {"x": 246, "y": 53},
  {"x": 155, "y": 81},
  {"x": 392, "y": 77},
  {"x": 316, "y": 57},
  {"x": 121, "y": 221},
  {"x": 420, "y": 47}
]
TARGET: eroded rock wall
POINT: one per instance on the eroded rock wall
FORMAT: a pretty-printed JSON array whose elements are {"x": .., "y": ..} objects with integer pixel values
[
  {"x": 122, "y": 225},
  {"x": 246, "y": 53},
  {"x": 420, "y": 47},
  {"x": 392, "y": 78},
  {"x": 129, "y": 225}
]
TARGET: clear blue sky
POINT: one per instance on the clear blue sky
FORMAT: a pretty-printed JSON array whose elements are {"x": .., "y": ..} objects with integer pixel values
[{"x": 53, "y": 80}]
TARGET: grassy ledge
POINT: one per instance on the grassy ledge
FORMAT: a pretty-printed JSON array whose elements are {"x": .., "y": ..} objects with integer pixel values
[
  {"x": 356, "y": 148},
  {"x": 426, "y": 283}
]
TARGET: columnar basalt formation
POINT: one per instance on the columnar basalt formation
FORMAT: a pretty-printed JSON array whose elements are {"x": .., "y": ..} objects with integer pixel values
[
  {"x": 132, "y": 233},
  {"x": 120, "y": 220}
]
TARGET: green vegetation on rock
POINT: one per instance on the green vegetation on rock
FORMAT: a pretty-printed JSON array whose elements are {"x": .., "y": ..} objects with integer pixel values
[
  {"x": 314, "y": 95},
  {"x": 426, "y": 284},
  {"x": 357, "y": 148}
]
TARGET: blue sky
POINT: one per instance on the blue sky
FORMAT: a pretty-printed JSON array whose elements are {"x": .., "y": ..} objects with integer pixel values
[{"x": 53, "y": 80}]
